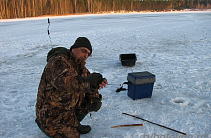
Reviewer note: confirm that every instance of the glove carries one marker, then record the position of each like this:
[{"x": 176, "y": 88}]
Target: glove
[
  {"x": 95, "y": 104},
  {"x": 91, "y": 104},
  {"x": 94, "y": 80},
  {"x": 100, "y": 97}
]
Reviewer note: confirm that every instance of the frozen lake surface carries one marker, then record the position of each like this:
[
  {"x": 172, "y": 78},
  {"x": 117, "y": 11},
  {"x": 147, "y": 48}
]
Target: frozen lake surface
[{"x": 176, "y": 47}]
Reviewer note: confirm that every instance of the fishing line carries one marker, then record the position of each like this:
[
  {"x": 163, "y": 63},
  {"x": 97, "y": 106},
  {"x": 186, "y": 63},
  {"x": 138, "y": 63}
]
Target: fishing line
[
  {"x": 49, "y": 31},
  {"x": 113, "y": 84}
]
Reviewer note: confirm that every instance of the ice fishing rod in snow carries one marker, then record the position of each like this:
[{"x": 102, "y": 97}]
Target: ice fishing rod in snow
[
  {"x": 155, "y": 124},
  {"x": 127, "y": 125},
  {"x": 49, "y": 31}
]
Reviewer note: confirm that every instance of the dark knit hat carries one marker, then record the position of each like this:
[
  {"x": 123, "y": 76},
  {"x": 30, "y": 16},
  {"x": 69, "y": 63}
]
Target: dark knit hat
[{"x": 82, "y": 42}]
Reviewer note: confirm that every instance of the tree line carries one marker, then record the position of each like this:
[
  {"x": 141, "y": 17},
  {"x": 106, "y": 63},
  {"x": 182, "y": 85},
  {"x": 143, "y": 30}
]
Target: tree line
[{"x": 34, "y": 8}]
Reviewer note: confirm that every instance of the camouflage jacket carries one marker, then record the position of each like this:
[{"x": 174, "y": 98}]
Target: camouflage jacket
[{"x": 62, "y": 90}]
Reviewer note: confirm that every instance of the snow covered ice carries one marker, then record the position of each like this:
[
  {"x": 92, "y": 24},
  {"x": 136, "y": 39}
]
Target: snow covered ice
[{"x": 176, "y": 47}]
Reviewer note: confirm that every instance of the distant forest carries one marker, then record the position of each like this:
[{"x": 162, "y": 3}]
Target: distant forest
[{"x": 34, "y": 8}]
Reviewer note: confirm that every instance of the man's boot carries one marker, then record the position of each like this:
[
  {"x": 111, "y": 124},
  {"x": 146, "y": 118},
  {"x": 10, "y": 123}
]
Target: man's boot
[{"x": 82, "y": 129}]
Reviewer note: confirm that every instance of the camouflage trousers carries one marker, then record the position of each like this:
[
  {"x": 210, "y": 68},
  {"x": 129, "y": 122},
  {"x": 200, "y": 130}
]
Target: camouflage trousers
[{"x": 62, "y": 124}]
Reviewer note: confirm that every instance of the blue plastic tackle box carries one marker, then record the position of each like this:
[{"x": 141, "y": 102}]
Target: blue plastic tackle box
[{"x": 140, "y": 84}]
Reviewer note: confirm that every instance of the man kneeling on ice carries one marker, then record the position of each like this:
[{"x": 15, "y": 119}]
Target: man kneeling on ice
[{"x": 67, "y": 91}]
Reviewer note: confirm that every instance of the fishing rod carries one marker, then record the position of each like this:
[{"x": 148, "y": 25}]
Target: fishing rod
[
  {"x": 127, "y": 125},
  {"x": 113, "y": 84},
  {"x": 49, "y": 31},
  {"x": 155, "y": 123}
]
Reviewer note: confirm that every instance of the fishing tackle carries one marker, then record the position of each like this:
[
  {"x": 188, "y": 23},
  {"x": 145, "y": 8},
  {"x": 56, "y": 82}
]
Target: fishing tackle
[
  {"x": 155, "y": 123},
  {"x": 127, "y": 125},
  {"x": 121, "y": 88},
  {"x": 49, "y": 31}
]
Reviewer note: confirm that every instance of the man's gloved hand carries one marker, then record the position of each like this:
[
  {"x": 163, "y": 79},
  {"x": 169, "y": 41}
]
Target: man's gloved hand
[
  {"x": 95, "y": 103},
  {"x": 94, "y": 79}
]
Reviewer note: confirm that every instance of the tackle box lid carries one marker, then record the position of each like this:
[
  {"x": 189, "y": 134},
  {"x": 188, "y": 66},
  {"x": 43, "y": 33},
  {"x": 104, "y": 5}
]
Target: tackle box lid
[{"x": 141, "y": 77}]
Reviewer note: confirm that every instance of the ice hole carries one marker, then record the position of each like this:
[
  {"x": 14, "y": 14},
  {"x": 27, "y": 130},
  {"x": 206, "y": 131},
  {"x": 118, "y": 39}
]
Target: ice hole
[{"x": 178, "y": 101}]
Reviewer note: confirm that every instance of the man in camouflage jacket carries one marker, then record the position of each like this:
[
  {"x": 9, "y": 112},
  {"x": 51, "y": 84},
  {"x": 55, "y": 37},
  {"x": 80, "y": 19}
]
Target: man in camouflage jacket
[{"x": 67, "y": 91}]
